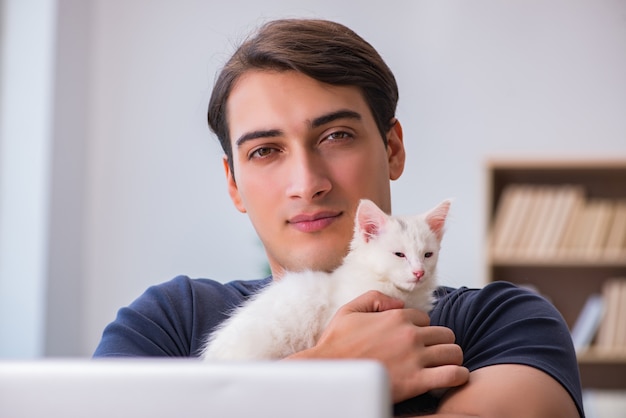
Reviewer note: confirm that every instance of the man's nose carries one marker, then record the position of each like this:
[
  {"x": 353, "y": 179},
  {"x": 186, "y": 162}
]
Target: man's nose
[{"x": 308, "y": 176}]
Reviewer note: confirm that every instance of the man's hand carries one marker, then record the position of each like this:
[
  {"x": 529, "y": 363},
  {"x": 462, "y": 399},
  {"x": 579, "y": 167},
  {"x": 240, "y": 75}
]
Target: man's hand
[{"x": 418, "y": 357}]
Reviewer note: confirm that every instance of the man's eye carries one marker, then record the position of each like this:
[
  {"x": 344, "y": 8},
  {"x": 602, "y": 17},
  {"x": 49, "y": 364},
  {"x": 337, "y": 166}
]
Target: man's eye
[
  {"x": 261, "y": 152},
  {"x": 339, "y": 135}
]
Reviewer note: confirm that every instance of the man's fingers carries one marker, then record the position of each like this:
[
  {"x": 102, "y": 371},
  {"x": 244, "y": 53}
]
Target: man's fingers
[
  {"x": 433, "y": 379},
  {"x": 373, "y": 301},
  {"x": 438, "y": 335},
  {"x": 417, "y": 356},
  {"x": 442, "y": 354},
  {"x": 446, "y": 376},
  {"x": 429, "y": 379}
]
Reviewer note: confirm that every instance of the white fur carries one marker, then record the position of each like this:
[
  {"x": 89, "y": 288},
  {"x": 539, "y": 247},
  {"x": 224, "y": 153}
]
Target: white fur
[{"x": 290, "y": 314}]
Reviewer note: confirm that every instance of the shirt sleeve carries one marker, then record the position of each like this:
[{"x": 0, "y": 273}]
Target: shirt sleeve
[
  {"x": 172, "y": 319},
  {"x": 505, "y": 324}
]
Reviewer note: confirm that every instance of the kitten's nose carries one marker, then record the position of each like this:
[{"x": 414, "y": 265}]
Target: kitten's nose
[{"x": 418, "y": 274}]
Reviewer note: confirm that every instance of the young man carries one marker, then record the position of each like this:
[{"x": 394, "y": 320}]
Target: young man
[{"x": 305, "y": 113}]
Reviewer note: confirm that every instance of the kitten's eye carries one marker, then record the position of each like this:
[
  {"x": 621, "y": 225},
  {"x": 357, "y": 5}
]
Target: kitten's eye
[
  {"x": 399, "y": 254},
  {"x": 428, "y": 254}
]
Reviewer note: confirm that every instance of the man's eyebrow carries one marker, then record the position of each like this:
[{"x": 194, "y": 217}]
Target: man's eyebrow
[
  {"x": 333, "y": 116},
  {"x": 315, "y": 123},
  {"x": 272, "y": 133}
]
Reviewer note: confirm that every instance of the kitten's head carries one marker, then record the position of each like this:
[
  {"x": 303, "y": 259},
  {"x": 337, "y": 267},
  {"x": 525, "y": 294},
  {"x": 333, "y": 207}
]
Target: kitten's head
[{"x": 403, "y": 250}]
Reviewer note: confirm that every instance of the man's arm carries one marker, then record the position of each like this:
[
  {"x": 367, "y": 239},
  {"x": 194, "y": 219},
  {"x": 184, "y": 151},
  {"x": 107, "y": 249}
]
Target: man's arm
[{"x": 509, "y": 390}]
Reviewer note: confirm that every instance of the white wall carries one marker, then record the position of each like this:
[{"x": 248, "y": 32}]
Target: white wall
[
  {"x": 480, "y": 78},
  {"x": 26, "y": 95}
]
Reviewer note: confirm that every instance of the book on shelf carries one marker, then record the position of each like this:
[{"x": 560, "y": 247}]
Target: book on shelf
[
  {"x": 570, "y": 199},
  {"x": 539, "y": 221},
  {"x": 554, "y": 222},
  {"x": 527, "y": 221},
  {"x": 543, "y": 222},
  {"x": 503, "y": 218},
  {"x": 509, "y": 218},
  {"x": 616, "y": 239},
  {"x": 612, "y": 329},
  {"x": 586, "y": 229},
  {"x": 572, "y": 227},
  {"x": 620, "y": 333},
  {"x": 588, "y": 322}
]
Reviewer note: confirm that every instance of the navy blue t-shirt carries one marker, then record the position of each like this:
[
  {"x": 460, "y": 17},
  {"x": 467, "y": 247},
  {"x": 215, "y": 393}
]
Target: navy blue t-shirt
[{"x": 498, "y": 324}]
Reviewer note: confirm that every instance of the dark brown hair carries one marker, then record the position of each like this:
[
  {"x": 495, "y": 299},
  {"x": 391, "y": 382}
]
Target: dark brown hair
[{"x": 326, "y": 51}]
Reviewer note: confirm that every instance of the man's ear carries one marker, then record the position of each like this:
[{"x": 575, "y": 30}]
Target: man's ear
[
  {"x": 395, "y": 150},
  {"x": 233, "y": 190}
]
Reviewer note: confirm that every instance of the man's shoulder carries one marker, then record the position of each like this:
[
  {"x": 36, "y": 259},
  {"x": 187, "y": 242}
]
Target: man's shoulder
[
  {"x": 504, "y": 315},
  {"x": 195, "y": 297},
  {"x": 492, "y": 293},
  {"x": 494, "y": 307},
  {"x": 173, "y": 318},
  {"x": 185, "y": 287}
]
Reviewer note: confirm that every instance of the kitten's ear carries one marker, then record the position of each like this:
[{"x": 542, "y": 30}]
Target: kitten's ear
[
  {"x": 370, "y": 220},
  {"x": 436, "y": 218}
]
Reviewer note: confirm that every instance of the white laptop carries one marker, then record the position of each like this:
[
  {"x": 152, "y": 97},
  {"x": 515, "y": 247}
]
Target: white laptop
[{"x": 191, "y": 388}]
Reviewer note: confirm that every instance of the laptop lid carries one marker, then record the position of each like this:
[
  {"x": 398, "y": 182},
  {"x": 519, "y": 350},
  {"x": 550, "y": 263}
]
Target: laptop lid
[{"x": 191, "y": 388}]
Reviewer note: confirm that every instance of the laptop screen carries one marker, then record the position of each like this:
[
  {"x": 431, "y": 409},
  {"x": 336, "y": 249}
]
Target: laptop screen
[{"x": 190, "y": 388}]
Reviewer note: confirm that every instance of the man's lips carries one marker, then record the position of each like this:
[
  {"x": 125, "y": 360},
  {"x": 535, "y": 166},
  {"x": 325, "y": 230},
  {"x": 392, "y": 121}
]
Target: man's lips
[{"x": 313, "y": 222}]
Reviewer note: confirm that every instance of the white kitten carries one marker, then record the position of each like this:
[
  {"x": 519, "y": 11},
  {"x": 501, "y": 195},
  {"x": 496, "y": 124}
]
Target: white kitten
[{"x": 394, "y": 255}]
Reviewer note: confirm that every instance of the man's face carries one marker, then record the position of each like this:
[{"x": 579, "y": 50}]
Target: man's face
[{"x": 304, "y": 154}]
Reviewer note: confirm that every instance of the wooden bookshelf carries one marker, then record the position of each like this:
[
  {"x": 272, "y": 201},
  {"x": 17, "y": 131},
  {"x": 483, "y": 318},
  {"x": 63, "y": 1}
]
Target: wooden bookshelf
[{"x": 559, "y": 226}]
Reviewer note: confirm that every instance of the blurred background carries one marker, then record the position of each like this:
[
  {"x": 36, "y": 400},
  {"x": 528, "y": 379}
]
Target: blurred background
[{"x": 110, "y": 180}]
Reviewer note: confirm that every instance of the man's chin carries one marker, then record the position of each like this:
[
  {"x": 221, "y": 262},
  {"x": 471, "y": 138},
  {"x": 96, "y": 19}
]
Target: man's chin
[{"x": 314, "y": 260}]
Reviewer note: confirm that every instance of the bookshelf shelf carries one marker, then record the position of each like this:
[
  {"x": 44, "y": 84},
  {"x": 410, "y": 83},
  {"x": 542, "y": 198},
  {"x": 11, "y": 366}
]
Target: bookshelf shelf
[
  {"x": 593, "y": 356},
  {"x": 581, "y": 262},
  {"x": 559, "y": 227}
]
